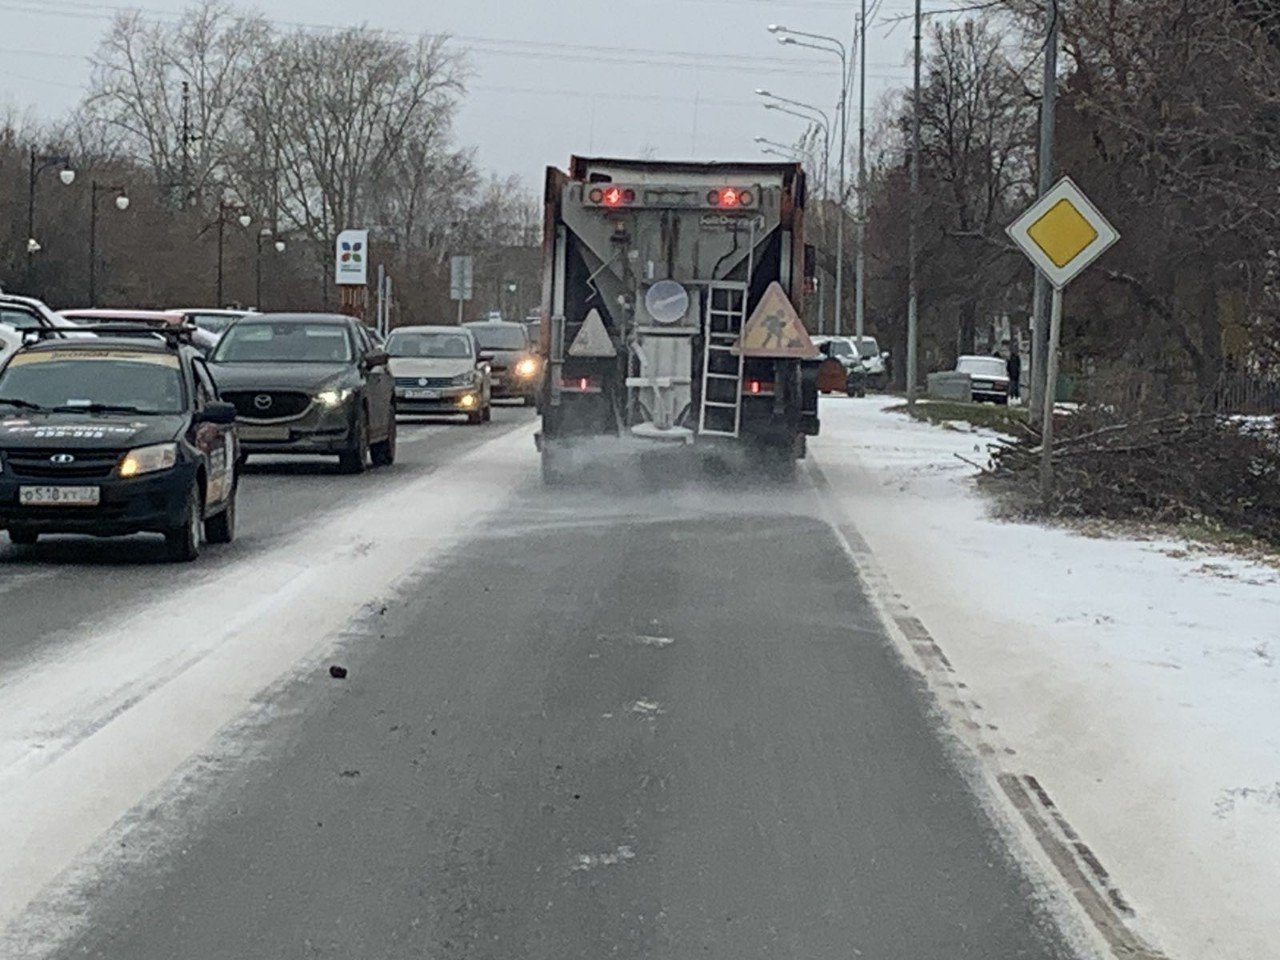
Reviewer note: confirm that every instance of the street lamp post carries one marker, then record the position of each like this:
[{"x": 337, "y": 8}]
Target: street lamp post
[
  {"x": 122, "y": 204},
  {"x": 39, "y": 164},
  {"x": 243, "y": 219},
  {"x": 263, "y": 235},
  {"x": 859, "y": 312},
  {"x": 838, "y": 48}
]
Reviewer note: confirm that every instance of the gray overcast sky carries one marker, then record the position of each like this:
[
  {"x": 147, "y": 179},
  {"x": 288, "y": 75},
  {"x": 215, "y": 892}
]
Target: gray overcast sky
[{"x": 552, "y": 77}]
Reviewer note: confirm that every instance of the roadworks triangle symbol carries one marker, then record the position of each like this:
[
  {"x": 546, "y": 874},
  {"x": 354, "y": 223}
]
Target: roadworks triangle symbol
[
  {"x": 593, "y": 339},
  {"x": 775, "y": 329}
]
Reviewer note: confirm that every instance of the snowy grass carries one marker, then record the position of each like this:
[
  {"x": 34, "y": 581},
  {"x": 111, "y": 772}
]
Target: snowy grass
[{"x": 1137, "y": 678}]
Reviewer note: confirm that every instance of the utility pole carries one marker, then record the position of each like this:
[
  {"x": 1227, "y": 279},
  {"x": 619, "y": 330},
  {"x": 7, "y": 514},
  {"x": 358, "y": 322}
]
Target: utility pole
[
  {"x": 188, "y": 138},
  {"x": 860, "y": 279},
  {"x": 844, "y": 139},
  {"x": 1041, "y": 389},
  {"x": 913, "y": 305}
]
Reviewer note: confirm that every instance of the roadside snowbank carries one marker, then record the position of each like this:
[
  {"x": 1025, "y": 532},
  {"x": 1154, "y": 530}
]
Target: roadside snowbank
[{"x": 1139, "y": 681}]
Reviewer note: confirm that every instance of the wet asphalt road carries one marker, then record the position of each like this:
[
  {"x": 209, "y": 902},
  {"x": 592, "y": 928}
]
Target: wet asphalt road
[
  {"x": 50, "y": 592},
  {"x": 664, "y": 725}
]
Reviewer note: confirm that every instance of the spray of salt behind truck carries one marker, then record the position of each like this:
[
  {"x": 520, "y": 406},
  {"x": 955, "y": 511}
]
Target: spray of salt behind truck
[{"x": 671, "y": 310}]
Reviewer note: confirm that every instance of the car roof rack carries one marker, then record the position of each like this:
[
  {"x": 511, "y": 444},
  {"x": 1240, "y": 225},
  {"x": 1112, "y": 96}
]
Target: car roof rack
[{"x": 173, "y": 335}]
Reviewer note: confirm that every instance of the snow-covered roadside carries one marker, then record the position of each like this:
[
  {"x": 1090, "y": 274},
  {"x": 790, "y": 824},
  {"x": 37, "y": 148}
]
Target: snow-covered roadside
[
  {"x": 89, "y": 732},
  {"x": 1139, "y": 682}
]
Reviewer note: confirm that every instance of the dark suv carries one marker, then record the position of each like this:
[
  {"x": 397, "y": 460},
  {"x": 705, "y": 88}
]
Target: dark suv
[
  {"x": 119, "y": 434},
  {"x": 309, "y": 383}
]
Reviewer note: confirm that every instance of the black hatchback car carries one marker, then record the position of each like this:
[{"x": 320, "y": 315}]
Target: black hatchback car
[
  {"x": 311, "y": 384},
  {"x": 113, "y": 435}
]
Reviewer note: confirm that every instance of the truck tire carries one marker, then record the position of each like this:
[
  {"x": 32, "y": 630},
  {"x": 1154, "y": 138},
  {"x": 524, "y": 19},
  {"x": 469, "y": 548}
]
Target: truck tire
[
  {"x": 23, "y": 538},
  {"x": 555, "y": 471}
]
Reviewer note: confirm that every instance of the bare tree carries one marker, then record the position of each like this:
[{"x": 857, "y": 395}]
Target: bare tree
[{"x": 172, "y": 93}]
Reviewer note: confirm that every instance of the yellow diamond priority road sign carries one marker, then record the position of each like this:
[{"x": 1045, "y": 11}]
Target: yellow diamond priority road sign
[{"x": 1063, "y": 233}]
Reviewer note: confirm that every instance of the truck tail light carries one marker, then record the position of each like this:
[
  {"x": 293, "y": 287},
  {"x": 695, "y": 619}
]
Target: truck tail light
[
  {"x": 729, "y": 198},
  {"x": 759, "y": 388},
  {"x": 578, "y": 385},
  {"x": 611, "y": 196}
]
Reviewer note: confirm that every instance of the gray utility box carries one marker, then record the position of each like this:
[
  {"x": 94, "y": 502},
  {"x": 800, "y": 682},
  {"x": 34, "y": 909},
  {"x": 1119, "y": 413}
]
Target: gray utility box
[{"x": 950, "y": 385}]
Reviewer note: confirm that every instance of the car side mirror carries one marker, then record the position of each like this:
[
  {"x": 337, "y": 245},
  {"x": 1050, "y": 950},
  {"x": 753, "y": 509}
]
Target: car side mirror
[
  {"x": 885, "y": 355},
  {"x": 219, "y": 412}
]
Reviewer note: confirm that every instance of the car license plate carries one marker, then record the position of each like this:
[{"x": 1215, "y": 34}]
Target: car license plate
[
  {"x": 263, "y": 433},
  {"x": 422, "y": 394},
  {"x": 59, "y": 496}
]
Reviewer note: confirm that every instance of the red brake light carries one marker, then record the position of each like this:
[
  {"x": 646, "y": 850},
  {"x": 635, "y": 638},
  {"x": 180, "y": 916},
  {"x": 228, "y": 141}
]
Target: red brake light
[
  {"x": 583, "y": 383},
  {"x": 730, "y": 198},
  {"x": 753, "y": 386},
  {"x": 613, "y": 197}
]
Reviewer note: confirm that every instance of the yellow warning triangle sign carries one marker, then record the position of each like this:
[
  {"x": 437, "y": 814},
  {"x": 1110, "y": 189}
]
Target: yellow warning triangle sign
[
  {"x": 775, "y": 329},
  {"x": 593, "y": 339}
]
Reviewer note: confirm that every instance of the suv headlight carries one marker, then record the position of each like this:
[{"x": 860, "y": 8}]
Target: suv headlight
[
  {"x": 464, "y": 379},
  {"x": 160, "y": 456},
  {"x": 527, "y": 367},
  {"x": 333, "y": 398}
]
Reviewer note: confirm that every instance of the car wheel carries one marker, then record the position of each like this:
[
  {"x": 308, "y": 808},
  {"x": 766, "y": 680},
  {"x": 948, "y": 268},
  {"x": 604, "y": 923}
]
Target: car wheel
[
  {"x": 475, "y": 416},
  {"x": 356, "y": 458},
  {"x": 384, "y": 453},
  {"x": 23, "y": 538},
  {"x": 222, "y": 528},
  {"x": 182, "y": 542}
]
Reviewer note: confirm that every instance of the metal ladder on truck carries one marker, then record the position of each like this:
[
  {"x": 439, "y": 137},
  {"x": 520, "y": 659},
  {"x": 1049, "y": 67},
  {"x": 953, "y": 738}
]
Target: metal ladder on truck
[{"x": 722, "y": 363}]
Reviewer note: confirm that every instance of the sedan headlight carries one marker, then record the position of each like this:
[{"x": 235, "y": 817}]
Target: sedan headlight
[
  {"x": 527, "y": 367},
  {"x": 333, "y": 398},
  {"x": 160, "y": 456},
  {"x": 464, "y": 379}
]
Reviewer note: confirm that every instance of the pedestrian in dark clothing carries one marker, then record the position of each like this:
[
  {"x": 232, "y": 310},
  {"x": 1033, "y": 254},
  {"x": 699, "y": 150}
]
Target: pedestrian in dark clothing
[{"x": 1013, "y": 366}]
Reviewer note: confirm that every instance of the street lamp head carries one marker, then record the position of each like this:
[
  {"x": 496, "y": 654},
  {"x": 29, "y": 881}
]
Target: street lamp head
[
  {"x": 777, "y": 28},
  {"x": 67, "y": 176},
  {"x": 279, "y": 246},
  {"x": 122, "y": 202},
  {"x": 787, "y": 40},
  {"x": 761, "y": 140},
  {"x": 761, "y": 92},
  {"x": 264, "y": 232},
  {"x": 244, "y": 219}
]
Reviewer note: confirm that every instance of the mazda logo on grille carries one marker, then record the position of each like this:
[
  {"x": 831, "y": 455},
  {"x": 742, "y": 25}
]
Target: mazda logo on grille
[
  {"x": 262, "y": 401},
  {"x": 62, "y": 459}
]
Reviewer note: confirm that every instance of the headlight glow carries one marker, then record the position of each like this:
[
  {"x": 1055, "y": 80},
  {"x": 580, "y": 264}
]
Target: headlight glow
[
  {"x": 333, "y": 398},
  {"x": 527, "y": 367},
  {"x": 160, "y": 456},
  {"x": 469, "y": 400},
  {"x": 464, "y": 379}
]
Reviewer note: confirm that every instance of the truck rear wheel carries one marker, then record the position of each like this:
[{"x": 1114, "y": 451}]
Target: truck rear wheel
[{"x": 555, "y": 466}]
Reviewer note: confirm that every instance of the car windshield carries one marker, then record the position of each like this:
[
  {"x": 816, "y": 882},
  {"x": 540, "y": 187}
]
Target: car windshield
[
  {"x": 20, "y": 318},
  {"x": 867, "y": 347},
  {"x": 437, "y": 345},
  {"x": 500, "y": 336},
  {"x": 982, "y": 366},
  {"x": 213, "y": 322},
  {"x": 88, "y": 380},
  {"x": 839, "y": 348},
  {"x": 284, "y": 342}
]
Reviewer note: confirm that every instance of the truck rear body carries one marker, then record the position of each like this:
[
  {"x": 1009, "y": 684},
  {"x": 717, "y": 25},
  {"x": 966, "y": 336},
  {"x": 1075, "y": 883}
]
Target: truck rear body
[{"x": 651, "y": 272}]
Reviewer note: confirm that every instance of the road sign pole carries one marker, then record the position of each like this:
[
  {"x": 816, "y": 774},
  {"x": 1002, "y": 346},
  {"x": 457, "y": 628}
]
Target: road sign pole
[
  {"x": 459, "y": 313},
  {"x": 1050, "y": 394}
]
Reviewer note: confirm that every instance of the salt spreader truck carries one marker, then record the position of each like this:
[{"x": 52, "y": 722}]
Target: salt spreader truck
[{"x": 672, "y": 296}]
